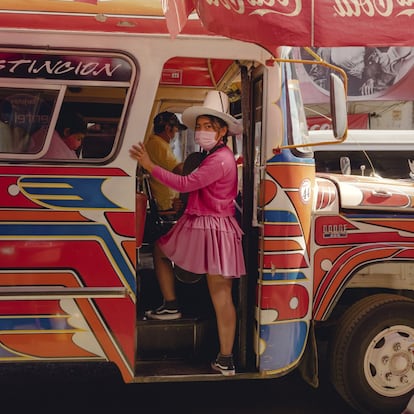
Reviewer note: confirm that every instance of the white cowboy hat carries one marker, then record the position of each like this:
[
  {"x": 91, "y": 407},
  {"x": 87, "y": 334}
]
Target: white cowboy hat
[{"x": 217, "y": 104}]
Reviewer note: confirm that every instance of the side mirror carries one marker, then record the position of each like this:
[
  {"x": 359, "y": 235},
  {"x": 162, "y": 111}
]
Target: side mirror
[
  {"x": 338, "y": 101},
  {"x": 338, "y": 107}
]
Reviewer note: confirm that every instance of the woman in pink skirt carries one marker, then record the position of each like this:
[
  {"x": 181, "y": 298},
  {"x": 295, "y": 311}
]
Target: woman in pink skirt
[{"x": 207, "y": 238}]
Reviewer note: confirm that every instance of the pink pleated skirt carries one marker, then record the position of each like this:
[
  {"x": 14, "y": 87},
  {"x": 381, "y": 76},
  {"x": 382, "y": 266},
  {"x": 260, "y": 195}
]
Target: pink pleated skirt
[{"x": 206, "y": 244}]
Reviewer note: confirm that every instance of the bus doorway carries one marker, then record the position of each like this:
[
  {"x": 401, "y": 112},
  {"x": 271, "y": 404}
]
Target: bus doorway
[{"x": 186, "y": 347}]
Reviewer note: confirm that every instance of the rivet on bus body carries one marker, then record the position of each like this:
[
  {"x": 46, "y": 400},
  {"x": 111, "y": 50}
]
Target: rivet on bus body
[{"x": 13, "y": 190}]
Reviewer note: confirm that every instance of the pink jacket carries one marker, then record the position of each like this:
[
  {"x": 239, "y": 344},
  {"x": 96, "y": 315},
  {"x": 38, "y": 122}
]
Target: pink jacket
[{"x": 212, "y": 187}]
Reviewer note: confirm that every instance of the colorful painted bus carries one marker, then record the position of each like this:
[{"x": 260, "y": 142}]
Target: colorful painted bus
[{"x": 74, "y": 278}]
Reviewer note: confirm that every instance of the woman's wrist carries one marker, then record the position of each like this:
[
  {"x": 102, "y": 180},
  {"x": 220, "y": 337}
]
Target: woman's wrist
[{"x": 150, "y": 167}]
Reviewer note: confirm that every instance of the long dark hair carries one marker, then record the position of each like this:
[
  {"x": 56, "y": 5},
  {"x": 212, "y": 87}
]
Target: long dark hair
[{"x": 71, "y": 120}]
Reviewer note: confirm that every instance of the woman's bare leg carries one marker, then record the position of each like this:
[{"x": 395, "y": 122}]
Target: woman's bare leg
[
  {"x": 164, "y": 272},
  {"x": 221, "y": 296}
]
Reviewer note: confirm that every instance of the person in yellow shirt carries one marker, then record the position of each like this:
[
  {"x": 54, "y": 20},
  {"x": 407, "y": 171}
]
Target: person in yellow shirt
[{"x": 166, "y": 125}]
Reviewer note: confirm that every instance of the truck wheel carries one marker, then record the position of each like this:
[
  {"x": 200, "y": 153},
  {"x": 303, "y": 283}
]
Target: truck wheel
[{"x": 372, "y": 354}]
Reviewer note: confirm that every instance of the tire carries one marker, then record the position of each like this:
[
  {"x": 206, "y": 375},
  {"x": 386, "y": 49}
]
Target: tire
[{"x": 372, "y": 354}]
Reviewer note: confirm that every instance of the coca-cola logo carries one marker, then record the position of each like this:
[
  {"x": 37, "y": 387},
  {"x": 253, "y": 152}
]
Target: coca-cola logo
[
  {"x": 371, "y": 8},
  {"x": 343, "y": 8},
  {"x": 261, "y": 7}
]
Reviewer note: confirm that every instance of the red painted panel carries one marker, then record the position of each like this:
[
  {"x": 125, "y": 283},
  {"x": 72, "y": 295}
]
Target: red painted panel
[{"x": 290, "y": 301}]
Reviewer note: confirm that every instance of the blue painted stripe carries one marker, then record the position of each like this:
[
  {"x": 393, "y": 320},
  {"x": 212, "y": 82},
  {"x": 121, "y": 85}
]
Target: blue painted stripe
[
  {"x": 33, "y": 324},
  {"x": 283, "y": 276},
  {"x": 280, "y": 216},
  {"x": 287, "y": 156},
  {"x": 67, "y": 192}
]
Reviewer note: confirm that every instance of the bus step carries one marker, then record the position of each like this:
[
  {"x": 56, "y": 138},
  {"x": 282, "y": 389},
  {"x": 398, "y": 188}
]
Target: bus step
[{"x": 186, "y": 338}]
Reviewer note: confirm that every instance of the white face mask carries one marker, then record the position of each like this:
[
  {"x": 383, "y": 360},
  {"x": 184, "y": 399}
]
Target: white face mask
[{"x": 206, "y": 139}]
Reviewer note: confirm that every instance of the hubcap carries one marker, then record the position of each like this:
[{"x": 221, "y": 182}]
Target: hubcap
[{"x": 389, "y": 361}]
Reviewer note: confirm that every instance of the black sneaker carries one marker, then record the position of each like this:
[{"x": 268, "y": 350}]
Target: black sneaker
[
  {"x": 163, "y": 314},
  {"x": 224, "y": 365}
]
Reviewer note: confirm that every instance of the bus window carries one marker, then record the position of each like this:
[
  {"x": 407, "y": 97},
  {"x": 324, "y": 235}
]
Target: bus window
[
  {"x": 23, "y": 112},
  {"x": 100, "y": 137},
  {"x": 96, "y": 87},
  {"x": 102, "y": 120},
  {"x": 102, "y": 109}
]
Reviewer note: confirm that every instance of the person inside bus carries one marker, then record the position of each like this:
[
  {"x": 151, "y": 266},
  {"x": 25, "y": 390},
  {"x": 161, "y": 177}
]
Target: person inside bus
[
  {"x": 67, "y": 138},
  {"x": 13, "y": 138},
  {"x": 166, "y": 125},
  {"x": 6, "y": 133},
  {"x": 207, "y": 238}
]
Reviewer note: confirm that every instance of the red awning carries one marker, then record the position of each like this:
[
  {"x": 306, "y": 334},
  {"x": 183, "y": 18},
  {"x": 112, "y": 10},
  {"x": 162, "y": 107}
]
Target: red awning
[{"x": 329, "y": 23}]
